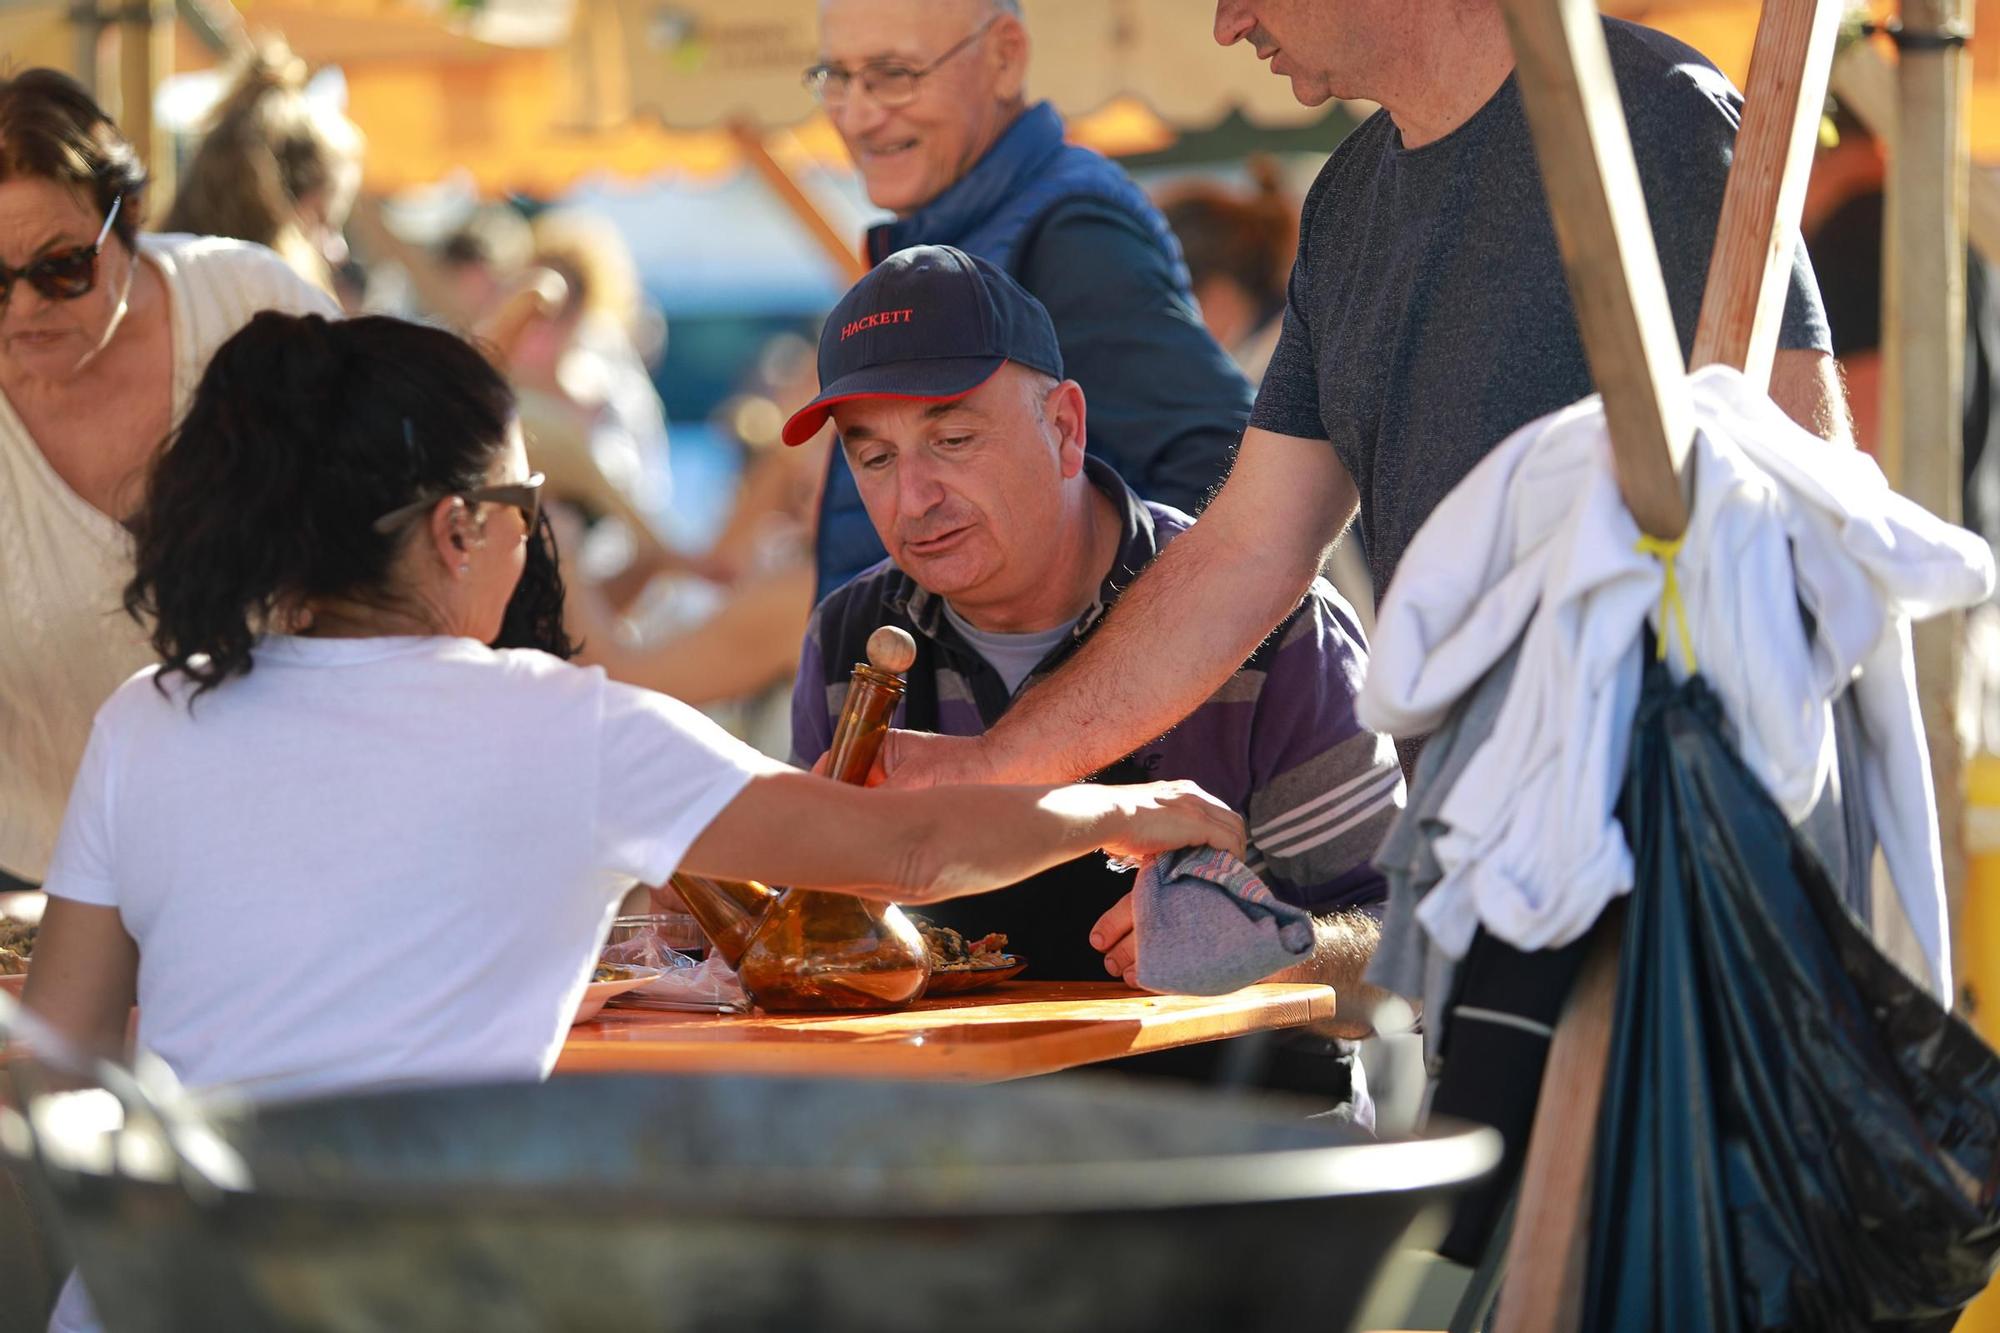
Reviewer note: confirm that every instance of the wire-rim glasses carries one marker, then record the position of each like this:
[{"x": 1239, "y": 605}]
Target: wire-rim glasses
[{"x": 890, "y": 84}]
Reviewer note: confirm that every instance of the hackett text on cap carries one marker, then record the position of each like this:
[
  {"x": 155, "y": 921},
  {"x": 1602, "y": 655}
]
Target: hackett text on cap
[{"x": 875, "y": 321}]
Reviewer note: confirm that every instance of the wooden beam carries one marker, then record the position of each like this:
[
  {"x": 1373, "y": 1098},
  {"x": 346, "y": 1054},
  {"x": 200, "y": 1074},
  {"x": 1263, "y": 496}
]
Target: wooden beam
[
  {"x": 1758, "y": 232},
  {"x": 145, "y": 59},
  {"x": 844, "y": 251},
  {"x": 1549, "y": 1255},
  {"x": 1923, "y": 345},
  {"x": 1585, "y": 151},
  {"x": 1865, "y": 82},
  {"x": 88, "y": 24}
]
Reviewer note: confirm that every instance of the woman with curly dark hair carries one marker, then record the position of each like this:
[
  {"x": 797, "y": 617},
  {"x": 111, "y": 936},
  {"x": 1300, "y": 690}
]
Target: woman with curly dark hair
[{"x": 363, "y": 824}]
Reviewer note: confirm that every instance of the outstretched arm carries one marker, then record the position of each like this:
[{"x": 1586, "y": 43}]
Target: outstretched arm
[
  {"x": 925, "y": 846},
  {"x": 1176, "y": 635}
]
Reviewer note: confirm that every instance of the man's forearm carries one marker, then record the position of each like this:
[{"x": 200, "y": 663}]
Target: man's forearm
[
  {"x": 1188, "y": 622},
  {"x": 1806, "y": 384},
  {"x": 1177, "y": 634},
  {"x": 1343, "y": 944}
]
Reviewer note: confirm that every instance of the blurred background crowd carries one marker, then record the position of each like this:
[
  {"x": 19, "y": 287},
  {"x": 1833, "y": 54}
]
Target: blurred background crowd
[{"x": 652, "y": 258}]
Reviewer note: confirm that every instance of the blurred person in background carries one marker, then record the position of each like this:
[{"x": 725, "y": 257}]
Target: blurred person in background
[
  {"x": 461, "y": 282},
  {"x": 730, "y": 647},
  {"x": 930, "y": 97},
  {"x": 594, "y": 419},
  {"x": 103, "y": 335},
  {"x": 1240, "y": 246},
  {"x": 274, "y": 167},
  {"x": 481, "y": 262}
]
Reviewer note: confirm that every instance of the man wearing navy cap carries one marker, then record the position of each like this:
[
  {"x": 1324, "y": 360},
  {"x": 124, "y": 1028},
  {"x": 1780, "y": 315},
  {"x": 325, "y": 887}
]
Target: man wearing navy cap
[
  {"x": 931, "y": 99},
  {"x": 1007, "y": 544}
]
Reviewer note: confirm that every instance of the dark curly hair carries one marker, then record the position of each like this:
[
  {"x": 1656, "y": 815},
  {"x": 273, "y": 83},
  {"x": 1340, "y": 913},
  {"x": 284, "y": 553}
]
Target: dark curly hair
[{"x": 302, "y": 432}]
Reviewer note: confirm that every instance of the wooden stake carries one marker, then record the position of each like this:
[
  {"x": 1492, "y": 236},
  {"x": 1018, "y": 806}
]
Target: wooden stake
[
  {"x": 1745, "y": 297},
  {"x": 844, "y": 251},
  {"x": 1923, "y": 328},
  {"x": 145, "y": 59},
  {"x": 1585, "y": 151},
  {"x": 1865, "y": 83},
  {"x": 1549, "y": 1254},
  {"x": 1573, "y": 111}
]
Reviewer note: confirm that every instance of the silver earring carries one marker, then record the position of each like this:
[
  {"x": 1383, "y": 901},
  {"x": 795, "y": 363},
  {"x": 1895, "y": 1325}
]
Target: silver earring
[{"x": 465, "y": 566}]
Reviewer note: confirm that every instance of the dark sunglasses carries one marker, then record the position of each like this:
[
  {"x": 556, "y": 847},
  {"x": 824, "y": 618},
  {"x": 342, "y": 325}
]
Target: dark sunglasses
[
  {"x": 66, "y": 274},
  {"x": 526, "y": 496}
]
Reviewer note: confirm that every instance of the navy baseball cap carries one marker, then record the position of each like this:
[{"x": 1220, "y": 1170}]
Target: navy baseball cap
[{"x": 930, "y": 323}]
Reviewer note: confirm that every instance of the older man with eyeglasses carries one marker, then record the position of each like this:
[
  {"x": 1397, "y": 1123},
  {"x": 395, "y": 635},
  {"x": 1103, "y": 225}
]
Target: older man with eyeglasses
[{"x": 930, "y": 97}]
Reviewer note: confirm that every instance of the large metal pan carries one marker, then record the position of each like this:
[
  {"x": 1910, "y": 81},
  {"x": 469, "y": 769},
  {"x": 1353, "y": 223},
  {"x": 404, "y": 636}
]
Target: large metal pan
[{"x": 749, "y": 1204}]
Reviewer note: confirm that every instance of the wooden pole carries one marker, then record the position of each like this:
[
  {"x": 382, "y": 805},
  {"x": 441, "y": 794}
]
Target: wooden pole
[
  {"x": 1587, "y": 167},
  {"x": 1745, "y": 297},
  {"x": 1548, "y": 1255},
  {"x": 1865, "y": 82},
  {"x": 89, "y": 27},
  {"x": 1923, "y": 327},
  {"x": 145, "y": 57},
  {"x": 1585, "y": 152},
  {"x": 844, "y": 251}
]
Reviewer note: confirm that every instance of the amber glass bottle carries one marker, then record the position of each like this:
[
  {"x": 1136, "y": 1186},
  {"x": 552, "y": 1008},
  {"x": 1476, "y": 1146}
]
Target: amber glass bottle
[{"x": 801, "y": 949}]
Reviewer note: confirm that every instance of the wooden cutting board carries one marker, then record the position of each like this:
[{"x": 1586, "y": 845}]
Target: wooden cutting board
[{"x": 1017, "y": 1029}]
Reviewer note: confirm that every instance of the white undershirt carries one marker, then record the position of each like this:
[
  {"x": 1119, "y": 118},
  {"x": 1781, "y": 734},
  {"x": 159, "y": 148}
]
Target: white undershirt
[{"x": 1013, "y": 656}]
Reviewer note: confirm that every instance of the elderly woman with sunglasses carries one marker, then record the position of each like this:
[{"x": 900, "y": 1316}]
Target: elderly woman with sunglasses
[{"x": 103, "y": 334}]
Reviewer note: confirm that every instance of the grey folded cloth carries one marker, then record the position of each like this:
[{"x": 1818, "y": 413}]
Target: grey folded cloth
[{"x": 1205, "y": 925}]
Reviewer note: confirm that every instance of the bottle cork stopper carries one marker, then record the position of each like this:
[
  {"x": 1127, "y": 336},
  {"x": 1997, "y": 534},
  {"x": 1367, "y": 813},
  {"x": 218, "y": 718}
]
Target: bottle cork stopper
[{"x": 892, "y": 650}]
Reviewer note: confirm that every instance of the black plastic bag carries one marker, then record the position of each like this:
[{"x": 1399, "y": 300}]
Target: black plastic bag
[{"x": 1795, "y": 1135}]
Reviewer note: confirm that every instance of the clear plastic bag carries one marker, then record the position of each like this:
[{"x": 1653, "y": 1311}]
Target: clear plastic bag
[{"x": 706, "y": 985}]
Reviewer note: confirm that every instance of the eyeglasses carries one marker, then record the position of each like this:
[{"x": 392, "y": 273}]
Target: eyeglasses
[
  {"x": 890, "y": 84},
  {"x": 66, "y": 274},
  {"x": 526, "y": 496}
]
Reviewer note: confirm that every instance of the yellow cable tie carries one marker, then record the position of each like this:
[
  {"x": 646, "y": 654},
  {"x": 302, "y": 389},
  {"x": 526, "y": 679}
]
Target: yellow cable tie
[{"x": 1672, "y": 609}]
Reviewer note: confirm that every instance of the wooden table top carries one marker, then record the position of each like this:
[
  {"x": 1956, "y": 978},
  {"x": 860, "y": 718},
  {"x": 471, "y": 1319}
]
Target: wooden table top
[{"x": 1016, "y": 1029}]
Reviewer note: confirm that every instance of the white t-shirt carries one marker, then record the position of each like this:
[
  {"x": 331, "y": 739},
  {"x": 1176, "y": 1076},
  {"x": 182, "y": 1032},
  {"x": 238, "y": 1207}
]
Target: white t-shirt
[
  {"x": 380, "y": 861},
  {"x": 65, "y": 643}
]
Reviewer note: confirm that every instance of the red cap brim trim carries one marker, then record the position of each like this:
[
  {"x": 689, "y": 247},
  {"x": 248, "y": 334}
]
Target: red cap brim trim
[{"x": 806, "y": 422}]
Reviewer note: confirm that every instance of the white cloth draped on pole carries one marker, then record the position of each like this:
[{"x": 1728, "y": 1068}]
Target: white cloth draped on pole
[{"x": 1536, "y": 546}]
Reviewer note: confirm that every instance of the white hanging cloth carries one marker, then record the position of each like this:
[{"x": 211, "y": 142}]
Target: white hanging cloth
[{"x": 1536, "y": 545}]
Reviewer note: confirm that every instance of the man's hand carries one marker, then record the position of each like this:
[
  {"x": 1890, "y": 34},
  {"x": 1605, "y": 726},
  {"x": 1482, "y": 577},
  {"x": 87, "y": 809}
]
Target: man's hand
[
  {"x": 921, "y": 759},
  {"x": 1115, "y": 938}
]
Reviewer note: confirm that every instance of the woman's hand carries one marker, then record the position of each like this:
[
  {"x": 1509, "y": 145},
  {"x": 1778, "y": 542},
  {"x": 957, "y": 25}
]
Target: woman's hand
[{"x": 1164, "y": 816}]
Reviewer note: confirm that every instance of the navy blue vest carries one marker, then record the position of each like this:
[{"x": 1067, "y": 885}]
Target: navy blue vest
[
  {"x": 992, "y": 211},
  {"x": 993, "y": 208}
]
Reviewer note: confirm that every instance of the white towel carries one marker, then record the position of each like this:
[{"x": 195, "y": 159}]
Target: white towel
[{"x": 1537, "y": 546}]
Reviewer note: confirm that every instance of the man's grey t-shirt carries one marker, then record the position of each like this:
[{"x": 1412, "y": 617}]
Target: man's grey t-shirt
[
  {"x": 1428, "y": 316},
  {"x": 1013, "y": 656}
]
